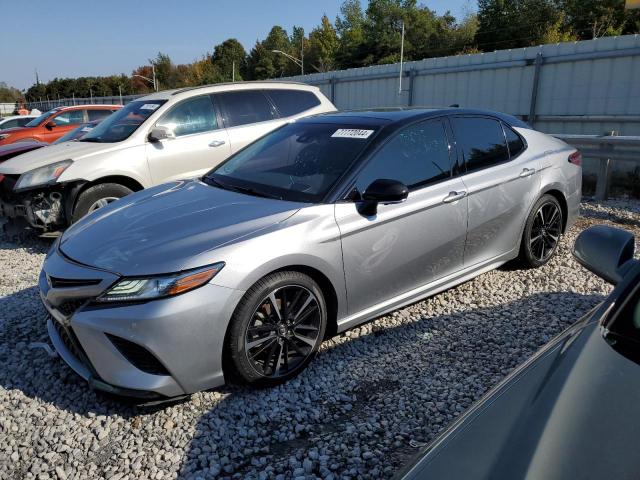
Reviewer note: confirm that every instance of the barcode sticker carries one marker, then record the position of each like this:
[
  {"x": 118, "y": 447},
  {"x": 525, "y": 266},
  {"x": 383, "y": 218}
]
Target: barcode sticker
[
  {"x": 352, "y": 133},
  {"x": 149, "y": 106}
]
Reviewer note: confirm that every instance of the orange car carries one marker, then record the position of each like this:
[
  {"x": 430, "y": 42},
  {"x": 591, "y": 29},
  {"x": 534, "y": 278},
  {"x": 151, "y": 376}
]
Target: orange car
[{"x": 53, "y": 124}]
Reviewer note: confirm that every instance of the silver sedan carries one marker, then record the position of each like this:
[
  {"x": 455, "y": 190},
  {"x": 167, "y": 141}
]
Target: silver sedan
[{"x": 321, "y": 225}]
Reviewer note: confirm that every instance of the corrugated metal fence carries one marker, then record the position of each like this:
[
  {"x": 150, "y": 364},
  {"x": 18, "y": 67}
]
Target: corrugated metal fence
[
  {"x": 588, "y": 87},
  {"x": 45, "y": 105}
]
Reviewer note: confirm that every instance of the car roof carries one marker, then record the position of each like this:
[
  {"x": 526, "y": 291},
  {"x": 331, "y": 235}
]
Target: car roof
[
  {"x": 227, "y": 86},
  {"x": 402, "y": 115}
]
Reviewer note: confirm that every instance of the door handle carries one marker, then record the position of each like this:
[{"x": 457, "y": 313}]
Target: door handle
[
  {"x": 454, "y": 196},
  {"x": 527, "y": 172},
  {"x": 217, "y": 143}
]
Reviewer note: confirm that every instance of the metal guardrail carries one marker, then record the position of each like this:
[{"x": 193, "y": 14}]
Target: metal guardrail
[{"x": 606, "y": 149}]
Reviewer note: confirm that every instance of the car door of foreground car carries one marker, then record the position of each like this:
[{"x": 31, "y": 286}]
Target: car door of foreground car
[
  {"x": 247, "y": 115},
  {"x": 410, "y": 244},
  {"x": 200, "y": 143},
  {"x": 501, "y": 187}
]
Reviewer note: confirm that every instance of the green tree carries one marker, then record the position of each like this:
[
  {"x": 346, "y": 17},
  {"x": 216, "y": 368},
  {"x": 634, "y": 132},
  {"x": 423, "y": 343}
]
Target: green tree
[
  {"x": 260, "y": 63},
  {"x": 225, "y": 55},
  {"x": 9, "y": 94},
  {"x": 350, "y": 29},
  {"x": 323, "y": 45},
  {"x": 598, "y": 18},
  {"x": 277, "y": 39}
]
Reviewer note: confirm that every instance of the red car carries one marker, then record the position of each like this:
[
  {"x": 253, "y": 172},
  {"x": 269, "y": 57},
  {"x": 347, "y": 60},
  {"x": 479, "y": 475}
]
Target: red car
[{"x": 53, "y": 124}]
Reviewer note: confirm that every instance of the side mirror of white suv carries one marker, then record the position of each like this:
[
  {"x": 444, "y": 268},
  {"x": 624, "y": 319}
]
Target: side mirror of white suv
[{"x": 161, "y": 133}]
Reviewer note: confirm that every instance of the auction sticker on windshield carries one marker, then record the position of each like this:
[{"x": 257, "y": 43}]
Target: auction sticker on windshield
[
  {"x": 352, "y": 133},
  {"x": 149, "y": 106}
]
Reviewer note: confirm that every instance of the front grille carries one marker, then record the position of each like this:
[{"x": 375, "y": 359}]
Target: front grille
[
  {"x": 70, "y": 282},
  {"x": 140, "y": 357},
  {"x": 6, "y": 187},
  {"x": 70, "y": 341},
  {"x": 70, "y": 307}
]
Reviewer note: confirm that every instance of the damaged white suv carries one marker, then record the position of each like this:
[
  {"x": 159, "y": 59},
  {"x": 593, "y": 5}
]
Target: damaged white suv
[{"x": 165, "y": 136}]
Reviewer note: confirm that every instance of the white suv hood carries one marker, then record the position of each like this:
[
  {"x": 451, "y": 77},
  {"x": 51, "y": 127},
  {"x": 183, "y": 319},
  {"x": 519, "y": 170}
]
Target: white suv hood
[{"x": 55, "y": 153}]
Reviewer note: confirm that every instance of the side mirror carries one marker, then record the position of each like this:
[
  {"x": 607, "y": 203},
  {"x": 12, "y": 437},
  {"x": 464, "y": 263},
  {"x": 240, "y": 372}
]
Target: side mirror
[
  {"x": 50, "y": 125},
  {"x": 605, "y": 251},
  {"x": 158, "y": 134},
  {"x": 383, "y": 191}
]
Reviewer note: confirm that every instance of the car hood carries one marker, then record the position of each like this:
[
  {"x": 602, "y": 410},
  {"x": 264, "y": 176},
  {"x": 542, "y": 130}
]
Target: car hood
[
  {"x": 573, "y": 413},
  {"x": 55, "y": 153},
  {"x": 158, "y": 230},
  {"x": 17, "y": 147}
]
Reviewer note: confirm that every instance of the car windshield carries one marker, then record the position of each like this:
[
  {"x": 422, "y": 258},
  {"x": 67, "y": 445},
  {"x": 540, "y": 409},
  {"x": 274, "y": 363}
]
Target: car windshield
[
  {"x": 120, "y": 125},
  {"x": 298, "y": 162},
  {"x": 77, "y": 133},
  {"x": 37, "y": 121}
]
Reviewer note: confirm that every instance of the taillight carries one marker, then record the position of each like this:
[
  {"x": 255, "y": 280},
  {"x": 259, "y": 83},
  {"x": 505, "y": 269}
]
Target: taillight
[
  {"x": 1, "y": 178},
  {"x": 576, "y": 158}
]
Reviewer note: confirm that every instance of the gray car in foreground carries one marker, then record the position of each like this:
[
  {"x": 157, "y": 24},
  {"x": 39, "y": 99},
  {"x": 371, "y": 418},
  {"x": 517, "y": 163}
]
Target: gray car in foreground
[
  {"x": 572, "y": 410},
  {"x": 318, "y": 226}
]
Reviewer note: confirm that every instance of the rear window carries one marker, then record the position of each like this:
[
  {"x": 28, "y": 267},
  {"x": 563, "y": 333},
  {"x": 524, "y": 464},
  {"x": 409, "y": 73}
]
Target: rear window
[
  {"x": 98, "y": 114},
  {"x": 481, "y": 140},
  {"x": 292, "y": 102},
  {"x": 244, "y": 107}
]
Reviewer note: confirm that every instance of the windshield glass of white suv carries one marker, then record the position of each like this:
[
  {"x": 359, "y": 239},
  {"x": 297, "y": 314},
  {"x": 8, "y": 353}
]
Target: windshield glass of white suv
[
  {"x": 121, "y": 124},
  {"x": 298, "y": 162}
]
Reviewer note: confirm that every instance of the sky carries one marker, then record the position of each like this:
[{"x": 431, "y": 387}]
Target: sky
[{"x": 72, "y": 38}]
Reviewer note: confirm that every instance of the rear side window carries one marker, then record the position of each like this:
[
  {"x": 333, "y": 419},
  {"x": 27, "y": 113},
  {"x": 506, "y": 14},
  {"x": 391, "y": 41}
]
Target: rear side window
[
  {"x": 195, "y": 115},
  {"x": 481, "y": 140},
  {"x": 515, "y": 143},
  {"x": 291, "y": 102},
  {"x": 10, "y": 124},
  {"x": 70, "y": 117},
  {"x": 98, "y": 114},
  {"x": 244, "y": 107},
  {"x": 416, "y": 156}
]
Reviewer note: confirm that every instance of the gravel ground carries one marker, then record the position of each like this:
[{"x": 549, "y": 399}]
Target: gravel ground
[{"x": 373, "y": 395}]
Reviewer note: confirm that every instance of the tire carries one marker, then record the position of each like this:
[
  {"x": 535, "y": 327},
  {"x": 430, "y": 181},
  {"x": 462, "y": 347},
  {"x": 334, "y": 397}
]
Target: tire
[
  {"x": 541, "y": 236},
  {"x": 258, "y": 333},
  {"x": 103, "y": 192}
]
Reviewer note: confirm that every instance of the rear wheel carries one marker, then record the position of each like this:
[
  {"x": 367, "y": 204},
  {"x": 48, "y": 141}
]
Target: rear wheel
[
  {"x": 542, "y": 232},
  {"x": 276, "y": 329},
  {"x": 98, "y": 196}
]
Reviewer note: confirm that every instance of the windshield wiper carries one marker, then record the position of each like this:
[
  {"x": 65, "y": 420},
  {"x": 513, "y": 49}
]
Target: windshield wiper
[
  {"x": 91, "y": 139},
  {"x": 237, "y": 188}
]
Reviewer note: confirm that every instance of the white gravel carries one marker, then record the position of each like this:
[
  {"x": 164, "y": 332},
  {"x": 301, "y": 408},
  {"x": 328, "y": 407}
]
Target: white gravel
[{"x": 372, "y": 395}]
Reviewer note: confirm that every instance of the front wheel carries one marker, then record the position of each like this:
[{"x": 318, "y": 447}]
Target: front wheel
[
  {"x": 276, "y": 329},
  {"x": 542, "y": 232},
  {"x": 98, "y": 196}
]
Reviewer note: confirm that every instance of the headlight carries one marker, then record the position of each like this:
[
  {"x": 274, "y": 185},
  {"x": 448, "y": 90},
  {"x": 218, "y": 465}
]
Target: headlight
[
  {"x": 4, "y": 135},
  {"x": 42, "y": 175},
  {"x": 134, "y": 289}
]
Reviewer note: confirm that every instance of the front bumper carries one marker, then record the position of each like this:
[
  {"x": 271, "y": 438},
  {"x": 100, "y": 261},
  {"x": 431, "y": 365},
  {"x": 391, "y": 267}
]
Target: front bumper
[{"x": 183, "y": 334}]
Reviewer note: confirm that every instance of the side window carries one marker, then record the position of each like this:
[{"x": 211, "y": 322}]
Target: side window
[
  {"x": 10, "y": 123},
  {"x": 98, "y": 114},
  {"x": 21, "y": 122},
  {"x": 70, "y": 117},
  {"x": 415, "y": 156},
  {"x": 291, "y": 102},
  {"x": 245, "y": 106},
  {"x": 515, "y": 143},
  {"x": 195, "y": 115},
  {"x": 481, "y": 140}
]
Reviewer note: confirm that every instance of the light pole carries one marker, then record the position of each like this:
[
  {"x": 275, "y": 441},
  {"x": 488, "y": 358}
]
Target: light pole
[
  {"x": 152, "y": 81},
  {"x": 295, "y": 60}
]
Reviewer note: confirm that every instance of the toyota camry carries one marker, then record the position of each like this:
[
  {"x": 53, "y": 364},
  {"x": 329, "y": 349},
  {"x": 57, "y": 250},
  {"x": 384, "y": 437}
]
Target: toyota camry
[{"x": 321, "y": 225}]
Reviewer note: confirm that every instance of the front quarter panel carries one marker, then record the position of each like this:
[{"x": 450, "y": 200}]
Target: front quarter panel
[{"x": 309, "y": 238}]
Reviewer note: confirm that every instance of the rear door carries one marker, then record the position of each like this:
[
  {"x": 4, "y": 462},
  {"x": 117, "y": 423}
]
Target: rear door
[
  {"x": 501, "y": 186},
  {"x": 406, "y": 245},
  {"x": 200, "y": 142},
  {"x": 247, "y": 115}
]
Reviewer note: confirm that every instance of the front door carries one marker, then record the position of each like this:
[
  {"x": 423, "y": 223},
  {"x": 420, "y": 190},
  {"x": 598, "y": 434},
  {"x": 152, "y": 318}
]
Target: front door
[
  {"x": 407, "y": 245},
  {"x": 199, "y": 143},
  {"x": 62, "y": 123}
]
